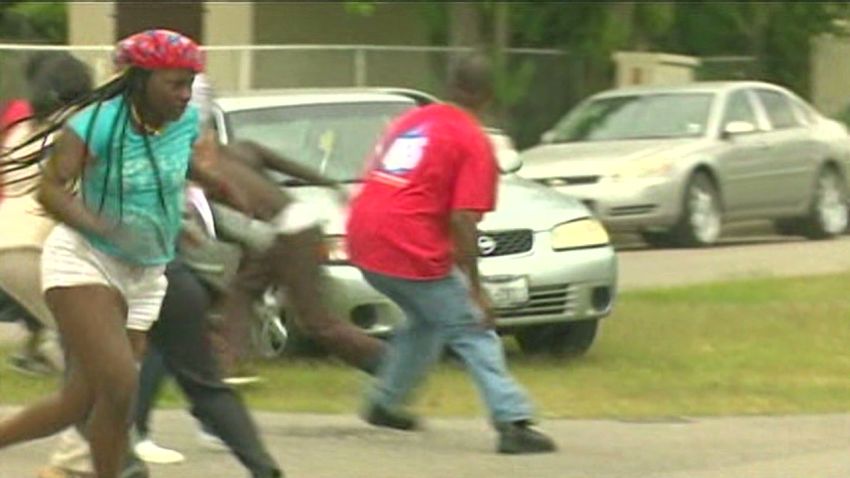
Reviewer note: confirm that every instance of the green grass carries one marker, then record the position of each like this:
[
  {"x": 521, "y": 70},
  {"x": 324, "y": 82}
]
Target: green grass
[{"x": 768, "y": 346}]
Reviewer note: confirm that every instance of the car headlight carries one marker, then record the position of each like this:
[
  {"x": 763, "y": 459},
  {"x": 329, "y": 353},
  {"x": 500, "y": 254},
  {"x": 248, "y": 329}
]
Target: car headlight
[
  {"x": 579, "y": 234},
  {"x": 334, "y": 250},
  {"x": 644, "y": 168}
]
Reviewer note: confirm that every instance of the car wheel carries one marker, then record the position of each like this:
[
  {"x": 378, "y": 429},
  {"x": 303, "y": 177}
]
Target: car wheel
[
  {"x": 701, "y": 221},
  {"x": 828, "y": 212},
  {"x": 300, "y": 345},
  {"x": 565, "y": 339},
  {"x": 270, "y": 338},
  {"x": 788, "y": 227},
  {"x": 269, "y": 335}
]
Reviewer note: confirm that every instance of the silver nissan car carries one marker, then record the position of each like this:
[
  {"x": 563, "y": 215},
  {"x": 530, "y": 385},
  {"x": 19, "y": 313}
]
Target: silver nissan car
[
  {"x": 546, "y": 262},
  {"x": 675, "y": 163}
]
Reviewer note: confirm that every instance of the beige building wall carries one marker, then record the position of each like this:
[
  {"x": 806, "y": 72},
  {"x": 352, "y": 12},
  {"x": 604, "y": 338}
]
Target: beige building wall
[
  {"x": 229, "y": 24},
  {"x": 93, "y": 24},
  {"x": 299, "y": 23},
  {"x": 286, "y": 23},
  {"x": 640, "y": 68},
  {"x": 830, "y": 70}
]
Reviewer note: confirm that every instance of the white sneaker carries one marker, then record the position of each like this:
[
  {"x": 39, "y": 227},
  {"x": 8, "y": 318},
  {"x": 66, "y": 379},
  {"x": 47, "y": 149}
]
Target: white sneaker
[
  {"x": 210, "y": 441},
  {"x": 150, "y": 452},
  {"x": 237, "y": 381}
]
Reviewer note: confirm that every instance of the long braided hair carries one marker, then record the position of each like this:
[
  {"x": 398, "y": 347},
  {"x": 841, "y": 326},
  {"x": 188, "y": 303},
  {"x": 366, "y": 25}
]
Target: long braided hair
[{"x": 130, "y": 84}]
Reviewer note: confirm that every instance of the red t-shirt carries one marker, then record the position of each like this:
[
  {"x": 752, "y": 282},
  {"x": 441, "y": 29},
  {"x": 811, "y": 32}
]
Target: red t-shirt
[
  {"x": 432, "y": 161},
  {"x": 11, "y": 112}
]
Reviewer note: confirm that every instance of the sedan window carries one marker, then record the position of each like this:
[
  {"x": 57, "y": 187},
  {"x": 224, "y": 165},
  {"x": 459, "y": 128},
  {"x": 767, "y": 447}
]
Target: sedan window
[
  {"x": 646, "y": 116},
  {"x": 778, "y": 109},
  {"x": 334, "y": 138},
  {"x": 739, "y": 108}
]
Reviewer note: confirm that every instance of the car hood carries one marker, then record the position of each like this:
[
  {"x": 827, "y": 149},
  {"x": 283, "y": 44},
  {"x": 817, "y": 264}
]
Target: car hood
[
  {"x": 600, "y": 158},
  {"x": 521, "y": 204}
]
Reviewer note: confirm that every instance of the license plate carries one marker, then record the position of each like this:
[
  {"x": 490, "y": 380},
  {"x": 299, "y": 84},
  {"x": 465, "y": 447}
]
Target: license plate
[{"x": 506, "y": 292}]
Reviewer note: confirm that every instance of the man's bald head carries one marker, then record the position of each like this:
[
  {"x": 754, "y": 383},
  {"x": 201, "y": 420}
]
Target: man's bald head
[{"x": 470, "y": 81}]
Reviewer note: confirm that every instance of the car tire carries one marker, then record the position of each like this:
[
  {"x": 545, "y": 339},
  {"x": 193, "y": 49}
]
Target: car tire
[
  {"x": 701, "y": 222},
  {"x": 828, "y": 211},
  {"x": 270, "y": 338},
  {"x": 300, "y": 345},
  {"x": 569, "y": 339},
  {"x": 657, "y": 239},
  {"x": 788, "y": 227}
]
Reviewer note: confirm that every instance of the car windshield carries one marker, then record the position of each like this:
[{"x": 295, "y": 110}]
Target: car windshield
[
  {"x": 333, "y": 138},
  {"x": 646, "y": 116}
]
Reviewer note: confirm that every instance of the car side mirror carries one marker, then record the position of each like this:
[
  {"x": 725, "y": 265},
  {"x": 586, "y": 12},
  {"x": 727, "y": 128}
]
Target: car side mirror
[
  {"x": 734, "y": 128},
  {"x": 547, "y": 137},
  {"x": 509, "y": 160}
]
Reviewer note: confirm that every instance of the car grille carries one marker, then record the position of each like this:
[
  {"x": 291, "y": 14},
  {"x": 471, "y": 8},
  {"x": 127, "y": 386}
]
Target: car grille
[
  {"x": 503, "y": 243},
  {"x": 547, "y": 300},
  {"x": 569, "y": 180},
  {"x": 632, "y": 210}
]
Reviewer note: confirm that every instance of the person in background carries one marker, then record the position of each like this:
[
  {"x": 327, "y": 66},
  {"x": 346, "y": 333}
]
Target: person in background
[
  {"x": 283, "y": 240},
  {"x": 412, "y": 232},
  {"x": 54, "y": 79}
]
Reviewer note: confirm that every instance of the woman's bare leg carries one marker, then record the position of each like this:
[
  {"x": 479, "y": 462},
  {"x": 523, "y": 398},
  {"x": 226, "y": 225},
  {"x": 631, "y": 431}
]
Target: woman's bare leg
[
  {"x": 91, "y": 320},
  {"x": 51, "y": 415}
]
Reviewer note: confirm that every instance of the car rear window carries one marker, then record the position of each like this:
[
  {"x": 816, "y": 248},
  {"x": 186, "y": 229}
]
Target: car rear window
[
  {"x": 644, "y": 116},
  {"x": 778, "y": 109}
]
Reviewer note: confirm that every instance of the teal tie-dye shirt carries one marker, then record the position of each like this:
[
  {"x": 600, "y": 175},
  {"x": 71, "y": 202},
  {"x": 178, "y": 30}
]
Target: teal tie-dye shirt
[{"x": 150, "y": 222}]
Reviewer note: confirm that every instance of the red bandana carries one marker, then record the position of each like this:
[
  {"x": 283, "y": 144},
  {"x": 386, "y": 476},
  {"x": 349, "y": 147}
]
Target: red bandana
[{"x": 159, "y": 50}]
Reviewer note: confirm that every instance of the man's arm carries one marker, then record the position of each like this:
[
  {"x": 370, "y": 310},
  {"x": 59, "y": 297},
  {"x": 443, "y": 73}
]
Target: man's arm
[
  {"x": 465, "y": 237},
  {"x": 206, "y": 169},
  {"x": 272, "y": 160}
]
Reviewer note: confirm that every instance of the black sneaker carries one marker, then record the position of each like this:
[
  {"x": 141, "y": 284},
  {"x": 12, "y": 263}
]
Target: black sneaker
[
  {"x": 519, "y": 438},
  {"x": 383, "y": 417}
]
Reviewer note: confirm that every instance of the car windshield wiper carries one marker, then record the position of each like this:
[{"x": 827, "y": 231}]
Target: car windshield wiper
[
  {"x": 293, "y": 182},
  {"x": 300, "y": 182}
]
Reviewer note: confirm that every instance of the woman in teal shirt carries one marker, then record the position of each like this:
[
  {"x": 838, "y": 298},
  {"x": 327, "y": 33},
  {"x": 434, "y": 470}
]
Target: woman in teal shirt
[{"x": 128, "y": 146}]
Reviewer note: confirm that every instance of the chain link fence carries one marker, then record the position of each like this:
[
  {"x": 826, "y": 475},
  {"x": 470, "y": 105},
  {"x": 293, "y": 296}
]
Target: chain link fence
[{"x": 534, "y": 86}]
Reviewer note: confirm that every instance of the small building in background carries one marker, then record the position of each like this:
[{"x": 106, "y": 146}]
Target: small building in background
[
  {"x": 653, "y": 69},
  {"x": 267, "y": 41}
]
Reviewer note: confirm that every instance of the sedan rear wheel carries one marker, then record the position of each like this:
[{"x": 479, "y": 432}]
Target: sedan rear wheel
[
  {"x": 701, "y": 221},
  {"x": 828, "y": 211}
]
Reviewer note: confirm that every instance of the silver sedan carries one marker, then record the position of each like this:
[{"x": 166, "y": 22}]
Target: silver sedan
[
  {"x": 547, "y": 263},
  {"x": 676, "y": 163}
]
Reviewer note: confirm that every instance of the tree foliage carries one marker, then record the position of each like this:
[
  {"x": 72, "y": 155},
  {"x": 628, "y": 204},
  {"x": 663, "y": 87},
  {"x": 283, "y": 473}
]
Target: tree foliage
[{"x": 40, "y": 22}]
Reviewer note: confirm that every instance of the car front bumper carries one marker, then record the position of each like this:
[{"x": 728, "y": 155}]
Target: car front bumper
[
  {"x": 563, "y": 286},
  {"x": 631, "y": 205}
]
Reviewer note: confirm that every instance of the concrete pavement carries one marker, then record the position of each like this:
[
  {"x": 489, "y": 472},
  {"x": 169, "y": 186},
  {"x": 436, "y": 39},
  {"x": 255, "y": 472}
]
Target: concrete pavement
[{"x": 322, "y": 446}]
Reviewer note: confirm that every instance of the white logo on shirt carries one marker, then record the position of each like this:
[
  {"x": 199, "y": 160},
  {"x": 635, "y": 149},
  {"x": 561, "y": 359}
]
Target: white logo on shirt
[{"x": 405, "y": 152}]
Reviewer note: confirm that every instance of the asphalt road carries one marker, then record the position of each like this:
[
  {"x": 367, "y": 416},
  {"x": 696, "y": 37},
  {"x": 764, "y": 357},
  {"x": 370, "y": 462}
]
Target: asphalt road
[
  {"x": 753, "y": 252},
  {"x": 318, "y": 446}
]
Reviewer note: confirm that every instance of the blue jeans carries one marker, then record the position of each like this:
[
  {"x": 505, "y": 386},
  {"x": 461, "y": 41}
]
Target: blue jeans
[{"x": 441, "y": 313}]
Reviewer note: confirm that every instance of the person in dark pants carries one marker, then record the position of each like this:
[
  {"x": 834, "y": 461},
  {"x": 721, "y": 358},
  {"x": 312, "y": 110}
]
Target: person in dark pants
[{"x": 181, "y": 337}]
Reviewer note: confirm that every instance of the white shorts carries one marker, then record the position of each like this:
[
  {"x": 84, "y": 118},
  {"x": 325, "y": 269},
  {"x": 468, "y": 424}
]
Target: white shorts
[
  {"x": 295, "y": 217},
  {"x": 69, "y": 260}
]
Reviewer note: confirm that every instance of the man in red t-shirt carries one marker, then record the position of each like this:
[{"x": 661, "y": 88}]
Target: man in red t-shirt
[{"x": 412, "y": 232}]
